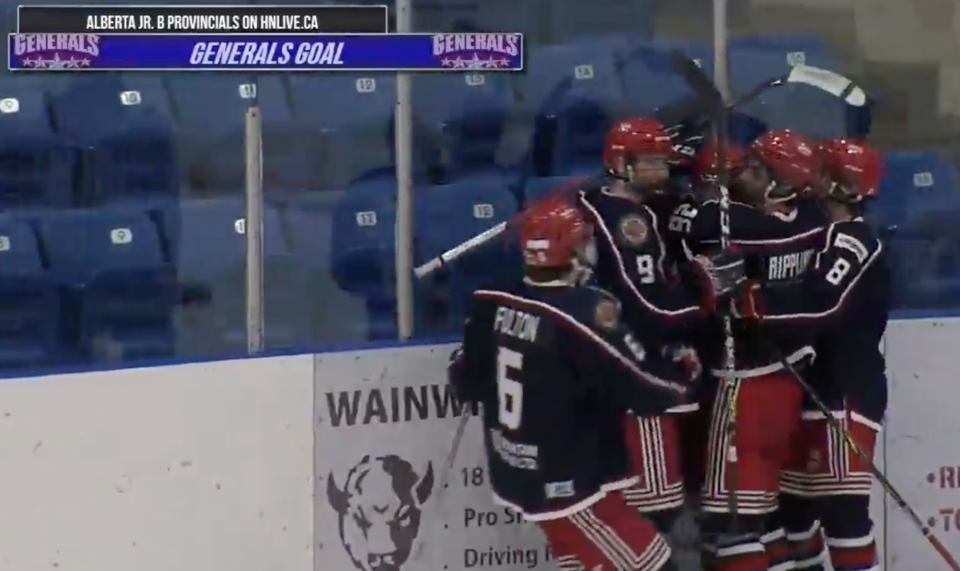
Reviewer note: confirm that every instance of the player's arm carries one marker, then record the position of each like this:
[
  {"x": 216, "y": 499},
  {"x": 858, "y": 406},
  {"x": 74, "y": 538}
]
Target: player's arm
[
  {"x": 637, "y": 252},
  {"x": 850, "y": 249},
  {"x": 469, "y": 371},
  {"x": 610, "y": 355}
]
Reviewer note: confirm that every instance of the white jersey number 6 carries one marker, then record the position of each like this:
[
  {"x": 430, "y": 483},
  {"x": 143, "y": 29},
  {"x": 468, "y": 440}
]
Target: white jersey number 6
[{"x": 509, "y": 390}]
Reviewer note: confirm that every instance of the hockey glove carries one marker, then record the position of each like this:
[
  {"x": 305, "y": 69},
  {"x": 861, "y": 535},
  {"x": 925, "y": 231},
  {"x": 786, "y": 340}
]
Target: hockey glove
[
  {"x": 688, "y": 360},
  {"x": 719, "y": 276}
]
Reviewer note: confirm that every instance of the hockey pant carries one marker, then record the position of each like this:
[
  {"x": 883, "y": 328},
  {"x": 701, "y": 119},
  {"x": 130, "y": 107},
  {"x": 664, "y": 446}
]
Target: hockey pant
[
  {"x": 767, "y": 419},
  {"x": 609, "y": 536},
  {"x": 656, "y": 446},
  {"x": 827, "y": 485}
]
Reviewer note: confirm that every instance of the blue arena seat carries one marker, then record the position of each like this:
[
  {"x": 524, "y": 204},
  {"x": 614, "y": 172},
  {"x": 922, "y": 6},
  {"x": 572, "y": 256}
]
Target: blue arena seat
[
  {"x": 36, "y": 168},
  {"x": 126, "y": 121},
  {"x": 807, "y": 109},
  {"x": 648, "y": 78},
  {"x": 469, "y": 112},
  {"x": 123, "y": 291},
  {"x": 919, "y": 195},
  {"x": 363, "y": 254},
  {"x": 353, "y": 117},
  {"x": 90, "y": 107},
  {"x": 559, "y": 77},
  {"x": 574, "y": 90},
  {"x": 343, "y": 101},
  {"x": 211, "y": 112},
  {"x": 208, "y": 245},
  {"x": 215, "y": 105},
  {"x": 29, "y": 303},
  {"x": 308, "y": 220}
]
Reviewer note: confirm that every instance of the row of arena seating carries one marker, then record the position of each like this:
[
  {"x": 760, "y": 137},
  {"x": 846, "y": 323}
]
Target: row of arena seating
[
  {"x": 124, "y": 282},
  {"x": 81, "y": 140}
]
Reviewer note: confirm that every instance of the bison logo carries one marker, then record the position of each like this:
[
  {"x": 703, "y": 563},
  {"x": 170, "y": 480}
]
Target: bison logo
[{"x": 379, "y": 508}]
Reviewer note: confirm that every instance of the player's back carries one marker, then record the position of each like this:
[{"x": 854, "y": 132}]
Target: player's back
[
  {"x": 850, "y": 362},
  {"x": 553, "y": 435},
  {"x": 779, "y": 249}
]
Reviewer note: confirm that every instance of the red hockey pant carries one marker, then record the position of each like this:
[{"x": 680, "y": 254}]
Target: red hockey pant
[
  {"x": 654, "y": 444},
  {"x": 767, "y": 418},
  {"x": 609, "y": 535}
]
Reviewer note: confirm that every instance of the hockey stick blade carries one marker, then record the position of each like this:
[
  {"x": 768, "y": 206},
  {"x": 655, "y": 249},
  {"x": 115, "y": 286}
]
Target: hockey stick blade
[
  {"x": 829, "y": 81},
  {"x": 887, "y": 485}
]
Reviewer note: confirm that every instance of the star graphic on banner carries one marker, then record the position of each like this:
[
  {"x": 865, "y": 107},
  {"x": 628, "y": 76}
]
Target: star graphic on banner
[
  {"x": 459, "y": 63},
  {"x": 476, "y": 62},
  {"x": 446, "y": 62},
  {"x": 56, "y": 62}
]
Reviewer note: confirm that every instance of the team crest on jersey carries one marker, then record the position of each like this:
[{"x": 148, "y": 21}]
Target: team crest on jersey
[
  {"x": 606, "y": 315},
  {"x": 634, "y": 230}
]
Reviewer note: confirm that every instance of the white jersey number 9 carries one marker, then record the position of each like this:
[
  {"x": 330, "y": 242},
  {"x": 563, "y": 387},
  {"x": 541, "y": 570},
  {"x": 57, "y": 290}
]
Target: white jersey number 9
[
  {"x": 509, "y": 390},
  {"x": 646, "y": 269}
]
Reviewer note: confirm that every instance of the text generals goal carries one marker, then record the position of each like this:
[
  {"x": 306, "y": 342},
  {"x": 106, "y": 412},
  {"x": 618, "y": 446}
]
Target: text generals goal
[{"x": 202, "y": 19}]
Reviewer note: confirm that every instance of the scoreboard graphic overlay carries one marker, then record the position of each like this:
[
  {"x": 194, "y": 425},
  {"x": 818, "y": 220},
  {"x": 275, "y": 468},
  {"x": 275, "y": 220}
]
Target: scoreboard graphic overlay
[{"x": 243, "y": 38}]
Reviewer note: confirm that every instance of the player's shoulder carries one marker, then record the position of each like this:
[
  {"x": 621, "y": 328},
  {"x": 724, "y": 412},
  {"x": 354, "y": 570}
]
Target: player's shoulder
[
  {"x": 855, "y": 236},
  {"x": 501, "y": 289},
  {"x": 591, "y": 188},
  {"x": 593, "y": 307}
]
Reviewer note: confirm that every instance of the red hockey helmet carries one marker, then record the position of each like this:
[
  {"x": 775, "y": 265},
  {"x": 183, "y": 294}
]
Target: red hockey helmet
[
  {"x": 792, "y": 160},
  {"x": 707, "y": 161},
  {"x": 854, "y": 167},
  {"x": 631, "y": 138},
  {"x": 553, "y": 233}
]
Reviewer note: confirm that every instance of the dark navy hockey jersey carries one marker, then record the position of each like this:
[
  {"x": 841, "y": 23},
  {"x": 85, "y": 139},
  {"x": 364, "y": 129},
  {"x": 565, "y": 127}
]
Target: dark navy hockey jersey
[
  {"x": 556, "y": 372},
  {"x": 779, "y": 249},
  {"x": 633, "y": 263},
  {"x": 846, "y": 300}
]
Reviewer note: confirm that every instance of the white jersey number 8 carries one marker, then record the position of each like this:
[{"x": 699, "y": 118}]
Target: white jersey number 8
[
  {"x": 509, "y": 391},
  {"x": 838, "y": 271}
]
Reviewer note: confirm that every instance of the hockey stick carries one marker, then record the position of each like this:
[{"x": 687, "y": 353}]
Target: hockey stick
[
  {"x": 453, "y": 253},
  {"x": 441, "y": 261},
  {"x": 454, "y": 449},
  {"x": 700, "y": 83},
  {"x": 880, "y": 477}
]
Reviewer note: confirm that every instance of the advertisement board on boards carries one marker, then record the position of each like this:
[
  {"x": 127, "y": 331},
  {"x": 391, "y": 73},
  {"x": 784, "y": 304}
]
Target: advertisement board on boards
[
  {"x": 339, "y": 461},
  {"x": 385, "y": 496}
]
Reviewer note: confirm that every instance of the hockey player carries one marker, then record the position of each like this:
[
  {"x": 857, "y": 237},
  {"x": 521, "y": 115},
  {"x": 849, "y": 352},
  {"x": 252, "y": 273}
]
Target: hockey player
[
  {"x": 779, "y": 237},
  {"x": 556, "y": 371},
  {"x": 846, "y": 299},
  {"x": 633, "y": 263}
]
